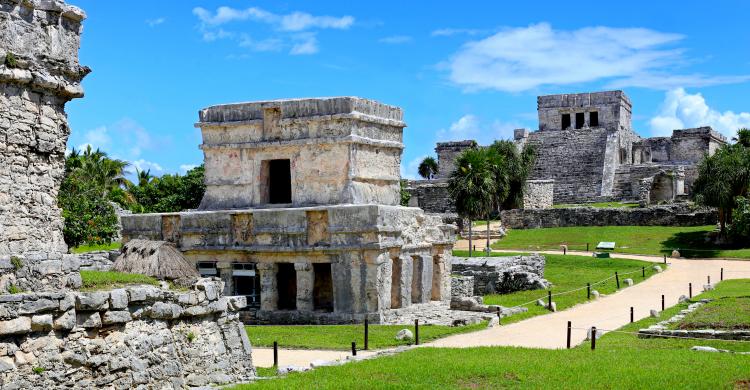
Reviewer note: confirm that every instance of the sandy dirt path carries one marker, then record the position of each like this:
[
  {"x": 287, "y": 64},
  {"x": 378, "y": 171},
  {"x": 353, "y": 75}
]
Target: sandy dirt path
[{"x": 263, "y": 357}]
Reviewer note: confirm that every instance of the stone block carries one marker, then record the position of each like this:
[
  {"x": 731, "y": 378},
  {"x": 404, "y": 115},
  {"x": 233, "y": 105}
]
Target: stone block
[
  {"x": 67, "y": 302},
  {"x": 98, "y": 300},
  {"x": 89, "y": 320},
  {"x": 41, "y": 322},
  {"x": 166, "y": 311},
  {"x": 66, "y": 321},
  {"x": 116, "y": 317},
  {"x": 39, "y": 305},
  {"x": 20, "y": 325},
  {"x": 118, "y": 299}
]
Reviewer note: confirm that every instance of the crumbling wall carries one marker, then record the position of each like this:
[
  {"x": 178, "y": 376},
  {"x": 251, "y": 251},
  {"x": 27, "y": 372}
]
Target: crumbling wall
[
  {"x": 538, "y": 194},
  {"x": 39, "y": 73},
  {"x": 502, "y": 274},
  {"x": 135, "y": 337},
  {"x": 447, "y": 153}
]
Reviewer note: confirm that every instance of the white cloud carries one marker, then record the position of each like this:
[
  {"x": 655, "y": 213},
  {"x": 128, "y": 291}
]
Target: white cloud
[
  {"x": 186, "y": 167},
  {"x": 96, "y": 138},
  {"x": 447, "y": 32},
  {"x": 410, "y": 170},
  {"x": 520, "y": 59},
  {"x": 396, "y": 39},
  {"x": 143, "y": 165},
  {"x": 683, "y": 110},
  {"x": 295, "y": 31},
  {"x": 155, "y": 22},
  {"x": 469, "y": 127}
]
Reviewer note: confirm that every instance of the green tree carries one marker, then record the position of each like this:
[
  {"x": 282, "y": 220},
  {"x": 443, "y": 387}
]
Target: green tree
[
  {"x": 723, "y": 177},
  {"x": 168, "y": 193},
  {"x": 472, "y": 186},
  {"x": 428, "y": 168},
  {"x": 405, "y": 195}
]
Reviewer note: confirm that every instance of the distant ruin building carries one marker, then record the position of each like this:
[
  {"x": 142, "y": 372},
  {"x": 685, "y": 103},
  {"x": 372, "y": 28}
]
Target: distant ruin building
[
  {"x": 587, "y": 151},
  {"x": 301, "y": 213},
  {"x": 39, "y": 73}
]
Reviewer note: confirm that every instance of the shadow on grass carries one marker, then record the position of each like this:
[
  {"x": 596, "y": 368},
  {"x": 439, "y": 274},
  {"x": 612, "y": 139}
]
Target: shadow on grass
[{"x": 694, "y": 245}]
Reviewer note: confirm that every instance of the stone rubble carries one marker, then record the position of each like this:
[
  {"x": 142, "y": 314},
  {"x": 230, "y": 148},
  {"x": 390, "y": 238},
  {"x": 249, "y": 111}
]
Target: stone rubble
[{"x": 503, "y": 274}]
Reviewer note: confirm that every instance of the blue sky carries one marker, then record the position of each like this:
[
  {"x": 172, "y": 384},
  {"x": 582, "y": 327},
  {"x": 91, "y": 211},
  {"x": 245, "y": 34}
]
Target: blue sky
[{"x": 460, "y": 70}]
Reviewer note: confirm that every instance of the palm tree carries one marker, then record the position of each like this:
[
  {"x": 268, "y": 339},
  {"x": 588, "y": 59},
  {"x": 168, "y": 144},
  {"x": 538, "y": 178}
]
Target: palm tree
[
  {"x": 743, "y": 137},
  {"x": 144, "y": 177},
  {"x": 428, "y": 168},
  {"x": 472, "y": 186}
]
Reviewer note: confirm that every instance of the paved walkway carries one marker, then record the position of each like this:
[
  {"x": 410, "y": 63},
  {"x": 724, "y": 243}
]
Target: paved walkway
[
  {"x": 610, "y": 312},
  {"x": 263, "y": 357}
]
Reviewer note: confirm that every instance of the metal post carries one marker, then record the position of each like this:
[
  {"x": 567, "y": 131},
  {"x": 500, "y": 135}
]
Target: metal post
[
  {"x": 354, "y": 348},
  {"x": 662, "y": 302},
  {"x": 565, "y": 250},
  {"x": 617, "y": 279},
  {"x": 709, "y": 279},
  {"x": 498, "y": 312},
  {"x": 416, "y": 332},
  {"x": 549, "y": 299},
  {"x": 665, "y": 259},
  {"x": 275, "y": 354},
  {"x": 588, "y": 290},
  {"x": 570, "y": 325},
  {"x": 631, "y": 314},
  {"x": 643, "y": 271},
  {"x": 367, "y": 334},
  {"x": 690, "y": 290},
  {"x": 722, "y": 274},
  {"x": 587, "y": 247},
  {"x": 593, "y": 338}
]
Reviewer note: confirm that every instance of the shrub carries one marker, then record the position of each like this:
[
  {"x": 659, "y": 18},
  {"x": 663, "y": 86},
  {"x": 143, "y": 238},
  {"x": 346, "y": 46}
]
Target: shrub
[
  {"x": 38, "y": 370},
  {"x": 16, "y": 262},
  {"x": 190, "y": 337},
  {"x": 13, "y": 289},
  {"x": 10, "y": 60},
  {"x": 739, "y": 231}
]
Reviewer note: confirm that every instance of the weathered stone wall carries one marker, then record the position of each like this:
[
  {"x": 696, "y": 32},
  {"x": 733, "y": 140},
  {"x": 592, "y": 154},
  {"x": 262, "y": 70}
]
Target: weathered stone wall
[
  {"x": 447, "y": 153},
  {"x": 461, "y": 286},
  {"x": 663, "y": 215},
  {"x": 341, "y": 150},
  {"x": 502, "y": 274},
  {"x": 613, "y": 109},
  {"x": 137, "y": 337},
  {"x": 39, "y": 73},
  {"x": 39, "y": 272},
  {"x": 539, "y": 194},
  {"x": 97, "y": 260},
  {"x": 430, "y": 196}
]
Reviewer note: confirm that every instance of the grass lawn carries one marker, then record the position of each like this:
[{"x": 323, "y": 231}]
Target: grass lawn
[
  {"x": 569, "y": 273},
  {"x": 647, "y": 240},
  {"x": 340, "y": 337},
  {"x": 621, "y": 361},
  {"x": 100, "y": 280},
  {"x": 730, "y": 308},
  {"x": 598, "y": 205},
  {"x": 96, "y": 247}
]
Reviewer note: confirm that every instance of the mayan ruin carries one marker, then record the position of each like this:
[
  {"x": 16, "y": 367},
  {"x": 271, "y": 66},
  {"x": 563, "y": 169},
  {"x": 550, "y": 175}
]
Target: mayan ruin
[{"x": 333, "y": 195}]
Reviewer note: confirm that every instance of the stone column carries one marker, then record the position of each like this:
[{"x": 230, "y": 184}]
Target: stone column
[
  {"x": 305, "y": 283},
  {"x": 407, "y": 272},
  {"x": 225, "y": 273},
  {"x": 421, "y": 289},
  {"x": 269, "y": 293}
]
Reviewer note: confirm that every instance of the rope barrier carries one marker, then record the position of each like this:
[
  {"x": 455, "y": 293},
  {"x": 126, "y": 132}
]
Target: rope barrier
[{"x": 660, "y": 335}]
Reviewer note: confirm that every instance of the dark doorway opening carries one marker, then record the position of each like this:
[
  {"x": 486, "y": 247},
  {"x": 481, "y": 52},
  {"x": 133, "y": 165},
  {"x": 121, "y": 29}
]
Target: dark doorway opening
[
  {"x": 593, "y": 119},
  {"x": 396, "y": 283},
  {"x": 580, "y": 120},
  {"x": 286, "y": 282},
  {"x": 565, "y": 121},
  {"x": 279, "y": 181},
  {"x": 323, "y": 288}
]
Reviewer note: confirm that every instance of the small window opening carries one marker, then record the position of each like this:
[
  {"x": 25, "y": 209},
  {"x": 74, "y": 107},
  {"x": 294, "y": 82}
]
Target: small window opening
[
  {"x": 565, "y": 121},
  {"x": 246, "y": 283},
  {"x": 279, "y": 181},
  {"x": 207, "y": 268},
  {"x": 579, "y": 120},
  {"x": 593, "y": 119}
]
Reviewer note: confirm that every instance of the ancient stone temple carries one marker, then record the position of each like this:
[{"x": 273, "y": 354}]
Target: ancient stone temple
[
  {"x": 52, "y": 336},
  {"x": 39, "y": 73},
  {"x": 301, "y": 213}
]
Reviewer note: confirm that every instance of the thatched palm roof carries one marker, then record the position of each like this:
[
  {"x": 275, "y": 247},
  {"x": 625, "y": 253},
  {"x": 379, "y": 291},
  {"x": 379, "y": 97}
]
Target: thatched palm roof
[{"x": 159, "y": 259}]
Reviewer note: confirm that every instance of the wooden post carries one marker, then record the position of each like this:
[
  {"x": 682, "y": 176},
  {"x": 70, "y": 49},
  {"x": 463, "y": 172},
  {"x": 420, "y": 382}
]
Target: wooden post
[
  {"x": 665, "y": 259},
  {"x": 275, "y": 354},
  {"x": 709, "y": 279},
  {"x": 354, "y": 348},
  {"x": 569, "y": 328},
  {"x": 593, "y": 338},
  {"x": 367, "y": 334},
  {"x": 690, "y": 290},
  {"x": 587, "y": 247},
  {"x": 498, "y": 313},
  {"x": 588, "y": 290},
  {"x": 721, "y": 278},
  {"x": 565, "y": 250},
  {"x": 416, "y": 332},
  {"x": 662, "y": 302},
  {"x": 643, "y": 271},
  {"x": 549, "y": 300},
  {"x": 631, "y": 314},
  {"x": 617, "y": 279}
]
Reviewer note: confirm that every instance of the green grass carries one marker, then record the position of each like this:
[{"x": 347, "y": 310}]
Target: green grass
[
  {"x": 730, "y": 308},
  {"x": 598, "y": 205},
  {"x": 340, "y": 337},
  {"x": 568, "y": 273},
  {"x": 100, "y": 280},
  {"x": 620, "y": 361},
  {"x": 647, "y": 240},
  {"x": 96, "y": 247}
]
